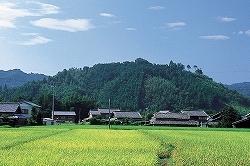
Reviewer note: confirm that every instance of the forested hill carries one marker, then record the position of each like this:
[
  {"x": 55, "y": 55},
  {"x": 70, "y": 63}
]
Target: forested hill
[
  {"x": 243, "y": 88},
  {"x": 16, "y": 77},
  {"x": 138, "y": 85}
]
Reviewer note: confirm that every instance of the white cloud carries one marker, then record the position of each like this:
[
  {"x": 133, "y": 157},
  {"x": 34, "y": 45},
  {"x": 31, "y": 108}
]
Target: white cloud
[
  {"x": 131, "y": 29},
  {"x": 226, "y": 19},
  {"x": 240, "y": 32},
  {"x": 247, "y": 32},
  {"x": 44, "y": 8},
  {"x": 10, "y": 12},
  {"x": 156, "y": 8},
  {"x": 107, "y": 15},
  {"x": 70, "y": 25},
  {"x": 35, "y": 39},
  {"x": 175, "y": 25},
  {"x": 215, "y": 37}
]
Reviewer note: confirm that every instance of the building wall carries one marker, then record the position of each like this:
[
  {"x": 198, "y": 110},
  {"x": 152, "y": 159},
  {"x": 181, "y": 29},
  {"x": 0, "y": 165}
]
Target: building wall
[
  {"x": 25, "y": 107},
  {"x": 64, "y": 118}
]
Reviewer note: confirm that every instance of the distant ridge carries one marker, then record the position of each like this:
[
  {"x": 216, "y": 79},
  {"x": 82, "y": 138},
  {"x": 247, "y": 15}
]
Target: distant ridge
[
  {"x": 243, "y": 88},
  {"x": 16, "y": 77},
  {"x": 136, "y": 85}
]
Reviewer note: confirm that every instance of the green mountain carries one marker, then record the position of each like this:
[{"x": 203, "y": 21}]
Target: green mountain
[
  {"x": 16, "y": 77},
  {"x": 137, "y": 85},
  {"x": 243, "y": 88}
]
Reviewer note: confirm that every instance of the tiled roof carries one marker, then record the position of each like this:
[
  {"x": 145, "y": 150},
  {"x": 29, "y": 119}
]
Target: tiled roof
[
  {"x": 170, "y": 122},
  {"x": 64, "y": 113},
  {"x": 133, "y": 115},
  {"x": 8, "y": 107},
  {"x": 106, "y": 110},
  {"x": 195, "y": 113},
  {"x": 171, "y": 115},
  {"x": 242, "y": 120},
  {"x": 94, "y": 112},
  {"x": 164, "y": 112}
]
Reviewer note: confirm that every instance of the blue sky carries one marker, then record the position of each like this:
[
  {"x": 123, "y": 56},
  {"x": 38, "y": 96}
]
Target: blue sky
[{"x": 47, "y": 36}]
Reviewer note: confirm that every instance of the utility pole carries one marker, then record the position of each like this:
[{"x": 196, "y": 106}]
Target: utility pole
[
  {"x": 53, "y": 103},
  {"x": 109, "y": 113}
]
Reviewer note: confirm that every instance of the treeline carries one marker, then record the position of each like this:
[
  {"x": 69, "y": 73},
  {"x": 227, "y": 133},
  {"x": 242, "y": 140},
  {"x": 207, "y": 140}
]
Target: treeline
[{"x": 138, "y": 85}]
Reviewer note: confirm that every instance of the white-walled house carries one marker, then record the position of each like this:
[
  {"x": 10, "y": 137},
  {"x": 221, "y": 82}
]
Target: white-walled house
[{"x": 27, "y": 107}]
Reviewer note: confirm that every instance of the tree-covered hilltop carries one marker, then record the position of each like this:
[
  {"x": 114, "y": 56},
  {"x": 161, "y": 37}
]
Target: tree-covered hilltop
[
  {"x": 138, "y": 85},
  {"x": 16, "y": 77}
]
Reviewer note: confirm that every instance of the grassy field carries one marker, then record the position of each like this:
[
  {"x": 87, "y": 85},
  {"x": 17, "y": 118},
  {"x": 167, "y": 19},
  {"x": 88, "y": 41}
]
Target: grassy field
[{"x": 123, "y": 145}]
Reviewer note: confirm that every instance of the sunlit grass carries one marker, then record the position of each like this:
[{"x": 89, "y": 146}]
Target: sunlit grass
[{"x": 124, "y": 145}]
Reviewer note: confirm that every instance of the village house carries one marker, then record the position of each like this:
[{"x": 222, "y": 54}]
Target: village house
[
  {"x": 199, "y": 115},
  {"x": 170, "y": 118},
  {"x": 102, "y": 113},
  {"x": 214, "y": 119},
  {"x": 243, "y": 123},
  {"x": 127, "y": 116},
  {"x": 17, "y": 112},
  {"x": 10, "y": 109},
  {"x": 27, "y": 107},
  {"x": 65, "y": 116}
]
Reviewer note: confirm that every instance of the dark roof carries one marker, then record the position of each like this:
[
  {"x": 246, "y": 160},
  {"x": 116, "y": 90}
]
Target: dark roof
[
  {"x": 94, "y": 112},
  {"x": 195, "y": 113},
  {"x": 242, "y": 120},
  {"x": 64, "y": 113},
  {"x": 106, "y": 110},
  {"x": 170, "y": 122},
  {"x": 133, "y": 115},
  {"x": 8, "y": 107},
  {"x": 171, "y": 115}
]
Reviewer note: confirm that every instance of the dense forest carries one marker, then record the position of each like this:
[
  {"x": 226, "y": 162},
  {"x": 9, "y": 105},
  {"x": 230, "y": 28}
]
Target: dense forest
[{"x": 138, "y": 85}]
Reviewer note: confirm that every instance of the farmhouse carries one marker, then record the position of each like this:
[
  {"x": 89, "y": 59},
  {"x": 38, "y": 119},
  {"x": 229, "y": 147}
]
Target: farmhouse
[
  {"x": 17, "y": 113},
  {"x": 9, "y": 109},
  {"x": 170, "y": 118},
  {"x": 243, "y": 123},
  {"x": 65, "y": 116},
  {"x": 200, "y": 116},
  {"x": 23, "y": 107},
  {"x": 127, "y": 116},
  {"x": 27, "y": 107},
  {"x": 103, "y": 112},
  {"x": 214, "y": 119}
]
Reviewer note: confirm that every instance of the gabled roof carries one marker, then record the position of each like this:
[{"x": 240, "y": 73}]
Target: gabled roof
[
  {"x": 106, "y": 110},
  {"x": 133, "y": 115},
  {"x": 164, "y": 112},
  {"x": 171, "y": 115},
  {"x": 8, "y": 107},
  {"x": 64, "y": 113},
  {"x": 30, "y": 103},
  {"x": 195, "y": 113},
  {"x": 94, "y": 112},
  {"x": 242, "y": 120},
  {"x": 171, "y": 122}
]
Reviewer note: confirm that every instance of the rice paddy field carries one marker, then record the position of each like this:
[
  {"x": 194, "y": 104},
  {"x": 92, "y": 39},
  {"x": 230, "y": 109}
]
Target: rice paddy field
[{"x": 123, "y": 145}]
